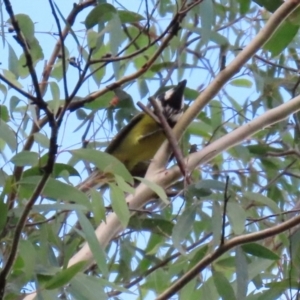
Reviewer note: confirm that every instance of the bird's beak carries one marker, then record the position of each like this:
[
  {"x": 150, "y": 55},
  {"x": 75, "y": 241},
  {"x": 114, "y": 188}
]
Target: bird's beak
[
  {"x": 176, "y": 97},
  {"x": 180, "y": 87}
]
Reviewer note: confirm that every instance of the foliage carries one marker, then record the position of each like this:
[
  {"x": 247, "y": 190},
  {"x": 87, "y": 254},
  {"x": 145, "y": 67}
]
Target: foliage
[{"x": 66, "y": 92}]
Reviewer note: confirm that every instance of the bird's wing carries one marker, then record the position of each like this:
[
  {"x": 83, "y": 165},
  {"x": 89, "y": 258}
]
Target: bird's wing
[
  {"x": 117, "y": 140},
  {"x": 149, "y": 134}
]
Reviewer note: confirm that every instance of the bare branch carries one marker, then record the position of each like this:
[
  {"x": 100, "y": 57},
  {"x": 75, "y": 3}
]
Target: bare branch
[
  {"x": 203, "y": 99},
  {"x": 106, "y": 231},
  {"x": 236, "y": 241},
  {"x": 29, "y": 62},
  {"x": 172, "y": 140}
]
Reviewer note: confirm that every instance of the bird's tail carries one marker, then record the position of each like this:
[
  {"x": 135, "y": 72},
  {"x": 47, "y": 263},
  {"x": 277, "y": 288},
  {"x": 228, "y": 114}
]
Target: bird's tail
[{"x": 95, "y": 180}]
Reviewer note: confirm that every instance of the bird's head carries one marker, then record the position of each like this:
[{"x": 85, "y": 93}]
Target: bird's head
[{"x": 171, "y": 103}]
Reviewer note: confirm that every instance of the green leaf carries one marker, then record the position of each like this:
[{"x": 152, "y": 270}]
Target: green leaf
[
  {"x": 34, "y": 171},
  {"x": 41, "y": 139},
  {"x": 28, "y": 253},
  {"x": 54, "y": 90},
  {"x": 237, "y": 217},
  {"x": 282, "y": 37},
  {"x": 127, "y": 16},
  {"x": 59, "y": 168},
  {"x": 55, "y": 96},
  {"x": 211, "y": 184},
  {"x": 114, "y": 27},
  {"x": 3, "y": 89},
  {"x": 200, "y": 129},
  {"x": 55, "y": 189},
  {"x": 57, "y": 71},
  {"x": 104, "y": 161},
  {"x": 156, "y": 225},
  {"x": 216, "y": 114},
  {"x": 123, "y": 185},
  {"x": 90, "y": 236},
  {"x": 223, "y": 286},
  {"x": 4, "y": 113},
  {"x": 197, "y": 255},
  {"x": 2, "y": 25},
  {"x": 183, "y": 227},
  {"x": 242, "y": 277},
  {"x": 143, "y": 88},
  {"x": 98, "y": 207},
  {"x": 37, "y": 54},
  {"x": 41, "y": 208},
  {"x": 97, "y": 70},
  {"x": 13, "y": 103},
  {"x": 92, "y": 39},
  {"x": 3, "y": 179},
  {"x": 63, "y": 277},
  {"x": 158, "y": 190},
  {"x": 188, "y": 290},
  {"x": 26, "y": 25},
  {"x": 284, "y": 284},
  {"x": 273, "y": 293},
  {"x": 219, "y": 39},
  {"x": 119, "y": 204},
  {"x": 100, "y": 102},
  {"x": 13, "y": 62},
  {"x": 259, "y": 198},
  {"x": 101, "y": 13},
  {"x": 216, "y": 223},
  {"x": 206, "y": 10},
  {"x": 244, "y": 6},
  {"x": 270, "y": 5},
  {"x": 87, "y": 288},
  {"x": 164, "y": 7},
  {"x": 81, "y": 114},
  {"x": 241, "y": 83},
  {"x": 12, "y": 78},
  {"x": 8, "y": 135},
  {"x": 260, "y": 251},
  {"x": 25, "y": 158},
  {"x": 262, "y": 149}
]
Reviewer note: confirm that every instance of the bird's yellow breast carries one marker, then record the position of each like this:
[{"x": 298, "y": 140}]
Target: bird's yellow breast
[{"x": 139, "y": 143}]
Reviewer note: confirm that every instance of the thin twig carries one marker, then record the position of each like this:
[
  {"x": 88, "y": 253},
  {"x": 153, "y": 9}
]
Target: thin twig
[
  {"x": 226, "y": 199},
  {"x": 275, "y": 65},
  {"x": 236, "y": 241},
  {"x": 148, "y": 111},
  {"x": 172, "y": 28},
  {"x": 284, "y": 153},
  {"x": 63, "y": 52},
  {"x": 254, "y": 220},
  {"x": 80, "y": 79},
  {"x": 29, "y": 62},
  {"x": 16, "y": 88},
  {"x": 277, "y": 176},
  {"x": 160, "y": 265},
  {"x": 17, "y": 234},
  {"x": 77, "y": 8},
  {"x": 172, "y": 140}
]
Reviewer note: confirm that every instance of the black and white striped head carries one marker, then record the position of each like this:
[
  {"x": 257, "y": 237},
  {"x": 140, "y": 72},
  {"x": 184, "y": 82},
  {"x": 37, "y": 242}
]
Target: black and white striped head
[{"x": 171, "y": 103}]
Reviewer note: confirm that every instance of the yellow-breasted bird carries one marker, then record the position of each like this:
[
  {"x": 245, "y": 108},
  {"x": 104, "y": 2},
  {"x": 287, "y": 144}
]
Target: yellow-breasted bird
[{"x": 137, "y": 142}]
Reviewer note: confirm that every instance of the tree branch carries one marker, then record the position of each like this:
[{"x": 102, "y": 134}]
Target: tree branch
[
  {"x": 106, "y": 231},
  {"x": 203, "y": 99},
  {"x": 236, "y": 241}
]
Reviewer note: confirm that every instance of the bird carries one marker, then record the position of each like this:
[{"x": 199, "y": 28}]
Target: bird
[{"x": 137, "y": 142}]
